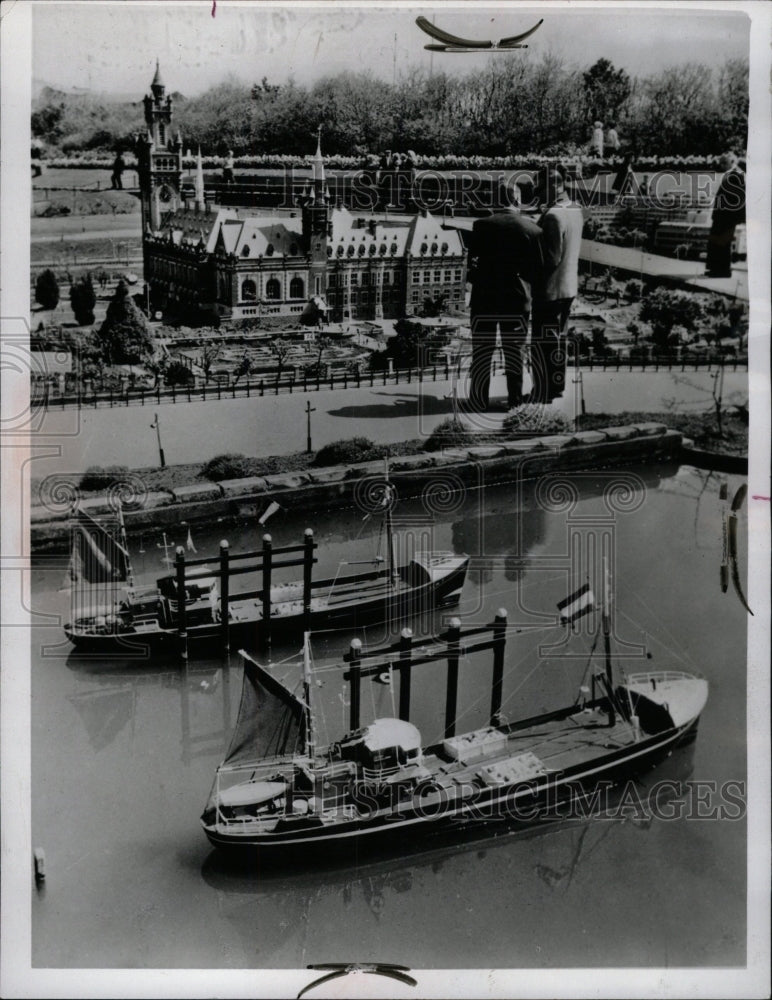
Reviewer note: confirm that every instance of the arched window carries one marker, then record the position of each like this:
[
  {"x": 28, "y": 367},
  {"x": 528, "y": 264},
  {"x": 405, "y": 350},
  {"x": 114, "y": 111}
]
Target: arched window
[
  {"x": 272, "y": 289},
  {"x": 245, "y": 250},
  {"x": 297, "y": 288},
  {"x": 269, "y": 250},
  {"x": 248, "y": 290},
  {"x": 293, "y": 249}
]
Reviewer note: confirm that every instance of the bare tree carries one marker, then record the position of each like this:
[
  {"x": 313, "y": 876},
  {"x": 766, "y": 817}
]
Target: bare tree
[{"x": 281, "y": 351}]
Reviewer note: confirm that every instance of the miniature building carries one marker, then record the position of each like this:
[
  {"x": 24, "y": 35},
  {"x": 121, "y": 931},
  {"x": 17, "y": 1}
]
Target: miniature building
[{"x": 251, "y": 262}]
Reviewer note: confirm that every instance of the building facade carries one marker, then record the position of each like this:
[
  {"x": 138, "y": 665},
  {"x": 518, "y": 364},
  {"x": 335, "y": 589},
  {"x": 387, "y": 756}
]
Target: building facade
[{"x": 243, "y": 263}]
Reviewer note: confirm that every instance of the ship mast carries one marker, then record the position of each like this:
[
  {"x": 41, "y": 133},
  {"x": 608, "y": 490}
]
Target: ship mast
[
  {"x": 387, "y": 499},
  {"x": 606, "y": 616},
  {"x": 310, "y": 748}
]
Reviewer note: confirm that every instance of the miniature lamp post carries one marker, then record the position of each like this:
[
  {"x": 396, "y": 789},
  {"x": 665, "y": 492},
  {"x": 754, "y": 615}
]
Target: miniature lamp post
[
  {"x": 309, "y": 410},
  {"x": 157, "y": 427}
]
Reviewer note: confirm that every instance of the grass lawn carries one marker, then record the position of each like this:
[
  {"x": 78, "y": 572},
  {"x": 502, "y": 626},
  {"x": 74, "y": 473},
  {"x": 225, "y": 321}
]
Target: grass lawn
[{"x": 700, "y": 427}]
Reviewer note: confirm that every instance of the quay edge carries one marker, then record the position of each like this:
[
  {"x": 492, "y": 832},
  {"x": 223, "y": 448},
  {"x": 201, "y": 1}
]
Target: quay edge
[{"x": 320, "y": 489}]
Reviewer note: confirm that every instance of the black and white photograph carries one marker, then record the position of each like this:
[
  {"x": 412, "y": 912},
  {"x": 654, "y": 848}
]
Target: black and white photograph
[{"x": 385, "y": 499}]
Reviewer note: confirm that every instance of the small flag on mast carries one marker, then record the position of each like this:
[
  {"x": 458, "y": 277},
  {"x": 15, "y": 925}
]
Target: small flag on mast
[
  {"x": 191, "y": 546},
  {"x": 577, "y": 604}
]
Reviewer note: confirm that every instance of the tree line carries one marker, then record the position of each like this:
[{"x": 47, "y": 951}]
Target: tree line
[{"x": 516, "y": 105}]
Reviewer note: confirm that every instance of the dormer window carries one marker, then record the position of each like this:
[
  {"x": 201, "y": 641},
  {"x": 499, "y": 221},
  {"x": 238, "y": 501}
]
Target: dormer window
[
  {"x": 424, "y": 248},
  {"x": 293, "y": 249},
  {"x": 245, "y": 250},
  {"x": 269, "y": 250}
]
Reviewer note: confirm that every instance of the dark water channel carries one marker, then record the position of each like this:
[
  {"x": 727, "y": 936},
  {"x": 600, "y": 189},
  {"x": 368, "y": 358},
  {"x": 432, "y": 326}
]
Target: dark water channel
[{"x": 123, "y": 756}]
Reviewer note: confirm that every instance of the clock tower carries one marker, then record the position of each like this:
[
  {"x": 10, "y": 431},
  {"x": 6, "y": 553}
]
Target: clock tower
[
  {"x": 159, "y": 158},
  {"x": 316, "y": 223}
]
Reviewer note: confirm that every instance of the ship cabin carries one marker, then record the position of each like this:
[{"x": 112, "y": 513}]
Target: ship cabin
[
  {"x": 201, "y": 600},
  {"x": 387, "y": 749}
]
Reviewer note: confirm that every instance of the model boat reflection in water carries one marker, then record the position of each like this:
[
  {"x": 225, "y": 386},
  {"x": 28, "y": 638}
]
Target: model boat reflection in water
[{"x": 280, "y": 791}]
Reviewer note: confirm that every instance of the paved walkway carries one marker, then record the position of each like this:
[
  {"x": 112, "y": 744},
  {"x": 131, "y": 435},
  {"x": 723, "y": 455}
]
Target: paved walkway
[
  {"x": 652, "y": 265},
  {"x": 275, "y": 425}
]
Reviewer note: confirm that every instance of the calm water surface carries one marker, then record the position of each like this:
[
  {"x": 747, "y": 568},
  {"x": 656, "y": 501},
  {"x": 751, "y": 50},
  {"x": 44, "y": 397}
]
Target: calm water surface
[{"x": 124, "y": 756}]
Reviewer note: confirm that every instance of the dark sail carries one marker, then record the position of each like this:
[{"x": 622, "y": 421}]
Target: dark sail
[{"x": 271, "y": 720}]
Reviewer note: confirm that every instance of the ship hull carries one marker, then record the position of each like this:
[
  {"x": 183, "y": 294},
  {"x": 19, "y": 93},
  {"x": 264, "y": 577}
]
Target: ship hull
[
  {"x": 205, "y": 637},
  {"x": 571, "y": 792}
]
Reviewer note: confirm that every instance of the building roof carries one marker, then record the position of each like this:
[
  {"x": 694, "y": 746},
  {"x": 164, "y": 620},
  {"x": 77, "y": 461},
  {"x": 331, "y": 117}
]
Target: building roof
[
  {"x": 354, "y": 237},
  {"x": 261, "y": 236}
]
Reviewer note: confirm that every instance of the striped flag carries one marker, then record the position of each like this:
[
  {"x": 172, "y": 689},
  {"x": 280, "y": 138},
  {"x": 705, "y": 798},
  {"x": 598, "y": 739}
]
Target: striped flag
[
  {"x": 96, "y": 555},
  {"x": 577, "y": 604}
]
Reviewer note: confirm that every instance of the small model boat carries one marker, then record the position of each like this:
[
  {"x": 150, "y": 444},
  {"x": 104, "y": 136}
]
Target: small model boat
[
  {"x": 114, "y": 620},
  {"x": 279, "y": 793}
]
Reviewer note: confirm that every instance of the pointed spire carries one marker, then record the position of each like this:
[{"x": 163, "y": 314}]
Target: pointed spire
[
  {"x": 318, "y": 162},
  {"x": 200, "y": 199},
  {"x": 157, "y": 81}
]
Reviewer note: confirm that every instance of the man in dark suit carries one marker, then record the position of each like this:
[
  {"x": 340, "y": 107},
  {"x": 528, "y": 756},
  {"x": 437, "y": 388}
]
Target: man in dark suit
[
  {"x": 728, "y": 212},
  {"x": 505, "y": 258}
]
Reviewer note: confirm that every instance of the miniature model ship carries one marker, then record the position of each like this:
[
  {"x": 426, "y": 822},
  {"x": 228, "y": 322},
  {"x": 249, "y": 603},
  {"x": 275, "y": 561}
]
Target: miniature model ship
[
  {"x": 149, "y": 617},
  {"x": 381, "y": 783},
  {"x": 126, "y": 620}
]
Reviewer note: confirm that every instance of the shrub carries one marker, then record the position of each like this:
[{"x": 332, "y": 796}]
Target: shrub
[
  {"x": 178, "y": 374},
  {"x": 83, "y": 300},
  {"x": 125, "y": 334},
  {"x": 47, "y": 289},
  {"x": 356, "y": 449},
  {"x": 451, "y": 433},
  {"x": 97, "y": 478},
  {"x": 226, "y": 467},
  {"x": 536, "y": 418},
  {"x": 634, "y": 290}
]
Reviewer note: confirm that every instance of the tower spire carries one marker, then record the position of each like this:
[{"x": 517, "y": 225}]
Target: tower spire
[
  {"x": 200, "y": 199},
  {"x": 157, "y": 86},
  {"x": 318, "y": 163}
]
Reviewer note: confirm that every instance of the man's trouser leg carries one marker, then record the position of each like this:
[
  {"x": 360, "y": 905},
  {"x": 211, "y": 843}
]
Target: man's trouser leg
[
  {"x": 548, "y": 349},
  {"x": 513, "y": 334},
  {"x": 483, "y": 343}
]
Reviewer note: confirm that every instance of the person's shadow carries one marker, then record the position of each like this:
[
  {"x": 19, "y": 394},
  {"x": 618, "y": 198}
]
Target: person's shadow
[{"x": 403, "y": 406}]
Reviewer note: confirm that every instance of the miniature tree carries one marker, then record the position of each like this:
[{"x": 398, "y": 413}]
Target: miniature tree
[
  {"x": 280, "y": 350},
  {"x": 125, "y": 335},
  {"x": 83, "y": 300},
  {"x": 47, "y": 289}
]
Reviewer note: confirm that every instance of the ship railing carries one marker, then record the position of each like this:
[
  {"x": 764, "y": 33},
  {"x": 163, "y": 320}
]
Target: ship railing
[
  {"x": 378, "y": 773},
  {"x": 662, "y": 676}
]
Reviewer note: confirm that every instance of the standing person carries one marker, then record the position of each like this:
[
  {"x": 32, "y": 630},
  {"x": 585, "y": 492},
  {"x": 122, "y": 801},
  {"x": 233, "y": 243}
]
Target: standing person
[
  {"x": 561, "y": 224},
  {"x": 728, "y": 212},
  {"x": 505, "y": 258},
  {"x": 612, "y": 139},
  {"x": 119, "y": 166},
  {"x": 227, "y": 174},
  {"x": 596, "y": 142}
]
